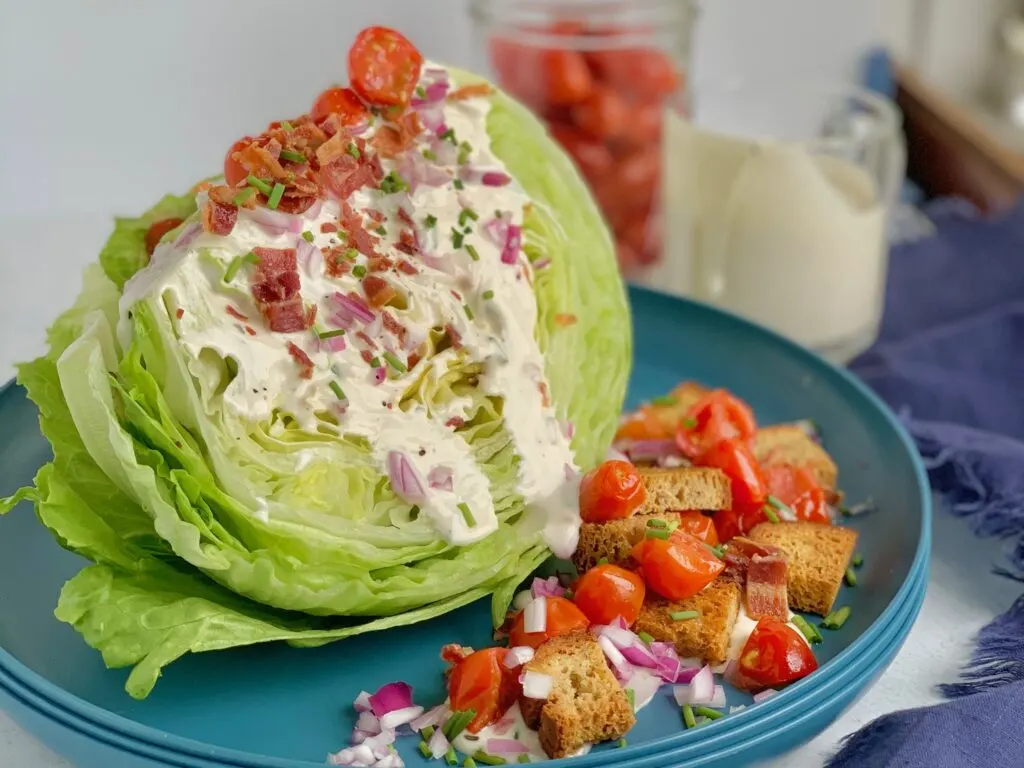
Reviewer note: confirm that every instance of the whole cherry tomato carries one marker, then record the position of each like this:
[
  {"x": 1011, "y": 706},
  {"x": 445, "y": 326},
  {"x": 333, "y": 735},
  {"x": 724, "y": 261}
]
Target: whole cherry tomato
[
  {"x": 607, "y": 592},
  {"x": 593, "y": 158},
  {"x": 483, "y": 683},
  {"x": 700, "y": 526},
  {"x": 737, "y": 461},
  {"x": 775, "y": 654},
  {"x": 612, "y": 491},
  {"x": 644, "y": 72},
  {"x": 384, "y": 67},
  {"x": 644, "y": 126},
  {"x": 157, "y": 230},
  {"x": 343, "y": 102},
  {"x": 603, "y": 114},
  {"x": 678, "y": 567},
  {"x": 717, "y": 416},
  {"x": 797, "y": 488},
  {"x": 234, "y": 171},
  {"x": 562, "y": 617}
]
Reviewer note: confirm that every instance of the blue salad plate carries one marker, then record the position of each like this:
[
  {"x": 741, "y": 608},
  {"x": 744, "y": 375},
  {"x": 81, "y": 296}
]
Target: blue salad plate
[{"x": 274, "y": 706}]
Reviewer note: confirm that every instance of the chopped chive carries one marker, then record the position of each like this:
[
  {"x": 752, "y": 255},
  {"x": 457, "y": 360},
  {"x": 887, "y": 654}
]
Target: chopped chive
[
  {"x": 473, "y": 254},
  {"x": 375, "y": 362},
  {"x": 684, "y": 615},
  {"x": 251, "y": 258},
  {"x": 424, "y": 749},
  {"x": 631, "y": 696},
  {"x": 427, "y": 733},
  {"x": 498, "y": 214},
  {"x": 449, "y": 135},
  {"x": 857, "y": 561},
  {"x": 359, "y": 270},
  {"x": 465, "y": 149},
  {"x": 287, "y": 126},
  {"x": 351, "y": 254},
  {"x": 655, "y": 533},
  {"x": 851, "y": 577},
  {"x": 307, "y": 236},
  {"x": 457, "y": 183},
  {"x": 430, "y": 155},
  {"x": 450, "y": 757},
  {"x": 260, "y": 184},
  {"x": 718, "y": 551},
  {"x": 381, "y": 230},
  {"x": 469, "y": 311},
  {"x": 295, "y": 157},
  {"x": 243, "y": 197},
  {"x": 771, "y": 514},
  {"x": 430, "y": 221},
  {"x": 603, "y": 561},
  {"x": 393, "y": 183},
  {"x": 275, "y": 196},
  {"x": 657, "y": 523},
  {"x": 688, "y": 719},
  {"x": 836, "y": 619},
  {"x": 690, "y": 423},
  {"x": 337, "y": 390},
  {"x": 664, "y": 400},
  {"x": 807, "y": 630},
  {"x": 353, "y": 150},
  {"x": 569, "y": 594},
  {"x": 672, "y": 525},
  {"x": 487, "y": 759},
  {"x": 645, "y": 637},
  {"x": 467, "y": 215},
  {"x": 523, "y": 759},
  {"x": 414, "y": 512},
  {"x": 467, "y": 514},
  {"x": 457, "y": 238},
  {"x": 621, "y": 743},
  {"x": 421, "y": 92},
  {"x": 781, "y": 506},
  {"x": 233, "y": 268},
  {"x": 330, "y": 334},
  {"x": 708, "y": 712},
  {"x": 397, "y": 364},
  {"x": 488, "y": 294},
  {"x": 457, "y": 723},
  {"x": 469, "y": 762}
]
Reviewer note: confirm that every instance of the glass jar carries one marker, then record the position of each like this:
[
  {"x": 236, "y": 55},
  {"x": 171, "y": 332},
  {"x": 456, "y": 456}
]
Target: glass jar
[{"x": 603, "y": 75}]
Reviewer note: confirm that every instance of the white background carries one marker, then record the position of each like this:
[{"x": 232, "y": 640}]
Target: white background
[{"x": 105, "y": 105}]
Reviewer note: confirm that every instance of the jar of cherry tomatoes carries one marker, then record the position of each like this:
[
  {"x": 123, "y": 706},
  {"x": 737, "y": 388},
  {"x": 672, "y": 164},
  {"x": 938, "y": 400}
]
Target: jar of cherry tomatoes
[{"x": 604, "y": 75}]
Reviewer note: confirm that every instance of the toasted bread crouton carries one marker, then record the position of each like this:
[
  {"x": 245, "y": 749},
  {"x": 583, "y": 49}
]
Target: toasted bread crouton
[
  {"x": 680, "y": 488},
  {"x": 678, "y": 404},
  {"x": 817, "y": 557},
  {"x": 705, "y": 637},
  {"x": 586, "y": 704},
  {"x": 612, "y": 541},
  {"x": 789, "y": 444}
]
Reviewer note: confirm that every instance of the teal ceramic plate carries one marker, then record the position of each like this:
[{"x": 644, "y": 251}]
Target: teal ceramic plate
[{"x": 277, "y": 706}]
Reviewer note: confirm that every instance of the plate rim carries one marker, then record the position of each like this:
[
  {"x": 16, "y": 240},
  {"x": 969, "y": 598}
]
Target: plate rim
[{"x": 134, "y": 730}]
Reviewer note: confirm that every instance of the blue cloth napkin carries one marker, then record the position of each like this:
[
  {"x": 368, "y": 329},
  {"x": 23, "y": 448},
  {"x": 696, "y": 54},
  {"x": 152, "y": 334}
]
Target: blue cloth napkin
[{"x": 950, "y": 360}]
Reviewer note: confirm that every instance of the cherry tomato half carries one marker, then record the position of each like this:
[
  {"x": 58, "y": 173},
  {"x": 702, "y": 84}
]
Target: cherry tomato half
[
  {"x": 612, "y": 491},
  {"x": 384, "y": 67},
  {"x": 643, "y": 424},
  {"x": 482, "y": 682},
  {"x": 603, "y": 114},
  {"x": 717, "y": 416},
  {"x": 157, "y": 230},
  {"x": 727, "y": 524},
  {"x": 700, "y": 526},
  {"x": 797, "y": 488},
  {"x": 593, "y": 158},
  {"x": 678, "y": 567},
  {"x": 775, "y": 654},
  {"x": 234, "y": 171},
  {"x": 607, "y": 592},
  {"x": 343, "y": 102},
  {"x": 737, "y": 461},
  {"x": 648, "y": 73},
  {"x": 562, "y": 617}
]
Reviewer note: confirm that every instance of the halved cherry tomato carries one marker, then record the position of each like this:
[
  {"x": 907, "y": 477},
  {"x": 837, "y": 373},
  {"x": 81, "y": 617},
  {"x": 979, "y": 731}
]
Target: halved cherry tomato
[
  {"x": 649, "y": 73},
  {"x": 727, "y": 524},
  {"x": 482, "y": 682},
  {"x": 343, "y": 102},
  {"x": 644, "y": 125},
  {"x": 775, "y": 654},
  {"x": 678, "y": 567},
  {"x": 541, "y": 77},
  {"x": 717, "y": 416},
  {"x": 607, "y": 592},
  {"x": 612, "y": 491},
  {"x": 562, "y": 617},
  {"x": 384, "y": 67},
  {"x": 157, "y": 230},
  {"x": 593, "y": 158},
  {"x": 797, "y": 488},
  {"x": 737, "y": 461},
  {"x": 234, "y": 171},
  {"x": 700, "y": 526},
  {"x": 643, "y": 424},
  {"x": 603, "y": 114}
]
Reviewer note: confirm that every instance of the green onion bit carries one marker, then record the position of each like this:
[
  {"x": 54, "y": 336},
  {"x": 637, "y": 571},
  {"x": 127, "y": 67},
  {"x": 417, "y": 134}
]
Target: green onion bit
[
  {"x": 469, "y": 762},
  {"x": 450, "y": 757},
  {"x": 657, "y": 523},
  {"x": 655, "y": 533},
  {"x": 307, "y": 236},
  {"x": 836, "y": 619},
  {"x": 473, "y": 254},
  {"x": 807, "y": 629},
  {"x": 260, "y": 184},
  {"x": 851, "y": 577},
  {"x": 469, "y": 311},
  {"x": 397, "y": 364},
  {"x": 486, "y": 759},
  {"x": 424, "y": 749},
  {"x": 710, "y": 714},
  {"x": 467, "y": 514},
  {"x": 275, "y": 196},
  {"x": 295, "y": 157},
  {"x": 337, "y": 390},
  {"x": 621, "y": 743},
  {"x": 430, "y": 221},
  {"x": 857, "y": 561},
  {"x": 688, "y": 719},
  {"x": 330, "y": 334},
  {"x": 287, "y": 126},
  {"x": 488, "y": 294},
  {"x": 684, "y": 615},
  {"x": 645, "y": 637},
  {"x": 771, "y": 514},
  {"x": 353, "y": 150},
  {"x": 359, "y": 270}
]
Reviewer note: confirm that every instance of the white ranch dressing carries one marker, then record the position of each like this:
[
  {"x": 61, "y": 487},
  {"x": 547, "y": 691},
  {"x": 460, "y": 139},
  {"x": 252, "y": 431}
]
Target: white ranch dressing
[{"x": 500, "y": 337}]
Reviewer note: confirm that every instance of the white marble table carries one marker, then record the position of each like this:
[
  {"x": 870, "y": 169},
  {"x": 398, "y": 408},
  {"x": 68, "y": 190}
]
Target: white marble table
[{"x": 962, "y": 594}]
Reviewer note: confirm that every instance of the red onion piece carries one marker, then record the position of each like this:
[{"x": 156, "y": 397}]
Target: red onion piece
[
  {"x": 623, "y": 669},
  {"x": 368, "y": 722},
  {"x": 542, "y": 263},
  {"x": 435, "y": 716},
  {"x": 397, "y": 717},
  {"x": 536, "y": 685},
  {"x": 314, "y": 210},
  {"x": 334, "y": 344},
  {"x": 699, "y": 691},
  {"x": 644, "y": 685},
  {"x": 517, "y": 656},
  {"x": 764, "y": 695},
  {"x": 355, "y": 307},
  {"x": 438, "y": 744},
  {"x": 305, "y": 252},
  {"x": 513, "y": 241},
  {"x": 546, "y": 587},
  {"x": 496, "y": 229},
  {"x": 535, "y": 618},
  {"x": 275, "y": 222},
  {"x": 390, "y": 697},
  {"x": 380, "y": 375},
  {"x": 506, "y": 747},
  {"x": 362, "y": 702},
  {"x": 188, "y": 235},
  {"x": 404, "y": 479},
  {"x": 441, "y": 478},
  {"x": 417, "y": 170},
  {"x": 495, "y": 179}
]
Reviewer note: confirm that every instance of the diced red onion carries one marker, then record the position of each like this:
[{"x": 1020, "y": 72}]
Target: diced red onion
[
  {"x": 188, "y": 235},
  {"x": 718, "y": 701},
  {"x": 699, "y": 691},
  {"x": 496, "y": 229},
  {"x": 368, "y": 722},
  {"x": 764, "y": 695},
  {"x": 431, "y": 717},
  {"x": 309, "y": 256},
  {"x": 644, "y": 685},
  {"x": 623, "y": 669},
  {"x": 517, "y": 656},
  {"x": 570, "y": 430},
  {"x": 648, "y": 450},
  {"x": 397, "y": 717},
  {"x": 495, "y": 179},
  {"x": 438, "y": 744},
  {"x": 445, "y": 152},
  {"x": 362, "y": 702},
  {"x": 405, "y": 480},
  {"x": 542, "y": 263},
  {"x": 632, "y": 647},
  {"x": 355, "y": 307},
  {"x": 314, "y": 210},
  {"x": 275, "y": 222},
  {"x": 537, "y": 685},
  {"x": 417, "y": 170},
  {"x": 441, "y": 478},
  {"x": 334, "y": 344},
  {"x": 535, "y": 618},
  {"x": 513, "y": 241},
  {"x": 380, "y": 375},
  {"x": 522, "y": 599},
  {"x": 546, "y": 587},
  {"x": 390, "y": 697},
  {"x": 506, "y": 747}
]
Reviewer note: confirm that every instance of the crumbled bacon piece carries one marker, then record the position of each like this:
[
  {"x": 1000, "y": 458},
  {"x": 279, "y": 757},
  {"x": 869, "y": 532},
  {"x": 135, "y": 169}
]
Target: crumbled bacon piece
[
  {"x": 367, "y": 355},
  {"x": 276, "y": 286},
  {"x": 358, "y": 237},
  {"x": 300, "y": 357},
  {"x": 365, "y": 338},
  {"x": 275, "y": 260},
  {"x": 545, "y": 396},
  {"x": 261, "y": 162},
  {"x": 407, "y": 243},
  {"x": 218, "y": 218},
  {"x": 328, "y": 226},
  {"x": 236, "y": 314},
  {"x": 470, "y": 92},
  {"x": 456, "y": 295},
  {"x": 404, "y": 217},
  {"x": 453, "y": 336},
  {"x": 379, "y": 264},
  {"x": 288, "y": 316},
  {"x": 395, "y": 328},
  {"x": 250, "y": 330},
  {"x": 377, "y": 216},
  {"x": 378, "y": 291},
  {"x": 344, "y": 175},
  {"x": 565, "y": 319},
  {"x": 766, "y": 588},
  {"x": 407, "y": 268},
  {"x": 336, "y": 263},
  {"x": 453, "y": 653},
  {"x": 394, "y": 138},
  {"x": 413, "y": 360},
  {"x": 455, "y": 422},
  {"x": 179, "y": 313}
]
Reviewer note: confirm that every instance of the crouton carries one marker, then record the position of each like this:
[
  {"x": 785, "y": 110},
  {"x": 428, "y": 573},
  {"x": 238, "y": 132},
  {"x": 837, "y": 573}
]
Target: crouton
[
  {"x": 790, "y": 444},
  {"x": 586, "y": 704},
  {"x": 681, "y": 488},
  {"x": 705, "y": 637},
  {"x": 676, "y": 405},
  {"x": 817, "y": 556},
  {"x": 612, "y": 541}
]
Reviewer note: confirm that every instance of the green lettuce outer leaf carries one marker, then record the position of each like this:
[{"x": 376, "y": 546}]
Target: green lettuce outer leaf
[{"x": 124, "y": 253}]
